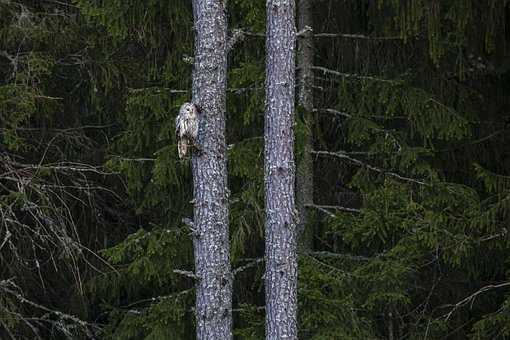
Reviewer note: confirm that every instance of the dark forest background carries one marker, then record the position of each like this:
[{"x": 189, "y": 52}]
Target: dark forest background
[{"x": 407, "y": 236}]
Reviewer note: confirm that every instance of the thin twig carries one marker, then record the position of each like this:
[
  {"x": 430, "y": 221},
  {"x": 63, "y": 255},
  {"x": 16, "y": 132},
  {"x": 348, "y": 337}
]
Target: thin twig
[{"x": 4, "y": 287}]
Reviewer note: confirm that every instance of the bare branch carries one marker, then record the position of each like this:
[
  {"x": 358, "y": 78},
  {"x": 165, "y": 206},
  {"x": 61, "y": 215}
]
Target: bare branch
[
  {"x": 240, "y": 310},
  {"x": 166, "y": 90},
  {"x": 254, "y": 34},
  {"x": 63, "y": 166},
  {"x": 84, "y": 127},
  {"x": 9, "y": 287},
  {"x": 328, "y": 254},
  {"x": 188, "y": 222},
  {"x": 332, "y": 207},
  {"x": 328, "y": 35},
  {"x": 247, "y": 266},
  {"x": 238, "y": 35},
  {"x": 159, "y": 298},
  {"x": 348, "y": 115},
  {"x": 141, "y": 159},
  {"x": 368, "y": 166},
  {"x": 354, "y": 36},
  {"x": 471, "y": 298},
  {"x": 305, "y": 32},
  {"x": 186, "y": 273},
  {"x": 353, "y": 75},
  {"x": 335, "y": 112}
]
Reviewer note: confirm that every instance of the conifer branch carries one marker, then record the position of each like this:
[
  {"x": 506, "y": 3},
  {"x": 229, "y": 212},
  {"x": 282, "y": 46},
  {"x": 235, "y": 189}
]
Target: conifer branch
[
  {"x": 159, "y": 298},
  {"x": 335, "y": 112},
  {"x": 368, "y": 166},
  {"x": 65, "y": 166},
  {"x": 238, "y": 35},
  {"x": 166, "y": 90},
  {"x": 254, "y": 34},
  {"x": 348, "y": 115},
  {"x": 142, "y": 159},
  {"x": 157, "y": 89},
  {"x": 186, "y": 273},
  {"x": 325, "y": 208},
  {"x": 247, "y": 266},
  {"x": 471, "y": 298},
  {"x": 188, "y": 222},
  {"x": 240, "y": 310},
  {"x": 9, "y": 287},
  {"x": 305, "y": 32},
  {"x": 191, "y": 225},
  {"x": 83, "y": 127},
  {"x": 486, "y": 138},
  {"x": 320, "y": 208},
  {"x": 503, "y": 233},
  {"x": 325, "y": 70},
  {"x": 354, "y": 36},
  {"x": 328, "y": 254}
]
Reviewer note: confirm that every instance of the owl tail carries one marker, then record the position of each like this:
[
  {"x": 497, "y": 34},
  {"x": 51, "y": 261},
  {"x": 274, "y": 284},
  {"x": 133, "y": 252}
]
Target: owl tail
[{"x": 182, "y": 147}]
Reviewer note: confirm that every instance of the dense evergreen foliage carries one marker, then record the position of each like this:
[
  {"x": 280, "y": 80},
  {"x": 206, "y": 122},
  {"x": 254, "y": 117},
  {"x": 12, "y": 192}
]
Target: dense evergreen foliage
[{"x": 411, "y": 135}]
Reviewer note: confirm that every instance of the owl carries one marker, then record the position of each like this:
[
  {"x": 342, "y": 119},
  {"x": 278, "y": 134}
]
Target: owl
[{"x": 186, "y": 128}]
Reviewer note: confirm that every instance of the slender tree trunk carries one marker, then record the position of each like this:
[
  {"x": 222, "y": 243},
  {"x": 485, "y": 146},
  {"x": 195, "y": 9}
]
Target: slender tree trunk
[
  {"x": 281, "y": 264},
  {"x": 211, "y": 242},
  {"x": 304, "y": 180}
]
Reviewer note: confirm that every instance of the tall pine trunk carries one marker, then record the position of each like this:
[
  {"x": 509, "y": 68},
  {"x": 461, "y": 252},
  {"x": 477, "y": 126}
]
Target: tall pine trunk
[
  {"x": 304, "y": 180},
  {"x": 279, "y": 168},
  {"x": 211, "y": 241}
]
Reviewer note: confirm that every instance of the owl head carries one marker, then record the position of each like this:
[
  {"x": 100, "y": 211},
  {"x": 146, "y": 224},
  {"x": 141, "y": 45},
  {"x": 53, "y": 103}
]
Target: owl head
[{"x": 187, "y": 109}]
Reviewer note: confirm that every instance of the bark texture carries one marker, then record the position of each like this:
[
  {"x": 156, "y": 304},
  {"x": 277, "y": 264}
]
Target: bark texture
[
  {"x": 281, "y": 264},
  {"x": 304, "y": 180},
  {"x": 211, "y": 240}
]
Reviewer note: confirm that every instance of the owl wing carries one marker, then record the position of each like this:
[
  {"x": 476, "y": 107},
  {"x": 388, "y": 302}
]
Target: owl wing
[
  {"x": 182, "y": 147},
  {"x": 180, "y": 134},
  {"x": 192, "y": 123},
  {"x": 180, "y": 120}
]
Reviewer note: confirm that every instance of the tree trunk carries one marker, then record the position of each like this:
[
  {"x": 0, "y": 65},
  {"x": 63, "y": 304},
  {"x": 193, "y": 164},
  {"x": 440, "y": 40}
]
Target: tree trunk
[
  {"x": 211, "y": 240},
  {"x": 281, "y": 264},
  {"x": 304, "y": 180}
]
